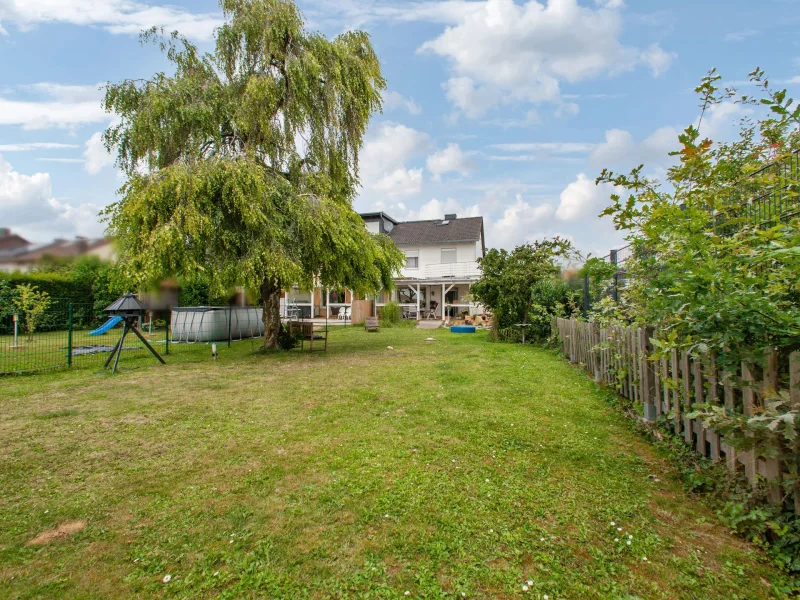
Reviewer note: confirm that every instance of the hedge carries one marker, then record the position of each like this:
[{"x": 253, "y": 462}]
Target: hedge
[{"x": 56, "y": 285}]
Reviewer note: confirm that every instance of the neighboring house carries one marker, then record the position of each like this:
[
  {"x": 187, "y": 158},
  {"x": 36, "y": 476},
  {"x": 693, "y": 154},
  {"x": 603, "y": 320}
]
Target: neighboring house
[
  {"x": 441, "y": 263},
  {"x": 11, "y": 246},
  {"x": 24, "y": 256}
]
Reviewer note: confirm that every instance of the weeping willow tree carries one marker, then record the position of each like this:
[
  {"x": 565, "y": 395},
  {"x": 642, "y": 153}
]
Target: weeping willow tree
[{"x": 242, "y": 165}]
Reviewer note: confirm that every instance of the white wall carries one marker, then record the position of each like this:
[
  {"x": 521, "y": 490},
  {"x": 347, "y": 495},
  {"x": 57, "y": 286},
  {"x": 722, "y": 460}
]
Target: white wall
[{"x": 432, "y": 255}]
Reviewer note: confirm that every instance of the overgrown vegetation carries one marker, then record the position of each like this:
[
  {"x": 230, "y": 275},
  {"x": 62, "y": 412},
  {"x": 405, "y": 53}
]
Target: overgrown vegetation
[
  {"x": 716, "y": 270},
  {"x": 390, "y": 314}
]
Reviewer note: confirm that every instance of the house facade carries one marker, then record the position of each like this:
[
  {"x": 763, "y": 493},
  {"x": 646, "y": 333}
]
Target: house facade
[{"x": 441, "y": 266}]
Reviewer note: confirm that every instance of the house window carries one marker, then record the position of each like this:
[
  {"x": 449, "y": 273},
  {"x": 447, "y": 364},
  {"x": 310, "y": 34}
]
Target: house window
[
  {"x": 412, "y": 259},
  {"x": 448, "y": 255},
  {"x": 451, "y": 297}
]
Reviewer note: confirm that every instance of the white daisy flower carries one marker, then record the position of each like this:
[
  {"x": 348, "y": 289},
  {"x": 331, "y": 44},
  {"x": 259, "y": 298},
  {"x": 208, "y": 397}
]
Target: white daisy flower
[{"x": 167, "y": 578}]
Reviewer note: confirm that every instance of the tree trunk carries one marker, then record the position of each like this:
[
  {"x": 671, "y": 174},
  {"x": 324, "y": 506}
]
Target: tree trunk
[{"x": 271, "y": 298}]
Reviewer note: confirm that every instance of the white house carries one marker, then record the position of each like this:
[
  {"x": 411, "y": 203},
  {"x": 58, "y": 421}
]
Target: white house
[{"x": 441, "y": 265}]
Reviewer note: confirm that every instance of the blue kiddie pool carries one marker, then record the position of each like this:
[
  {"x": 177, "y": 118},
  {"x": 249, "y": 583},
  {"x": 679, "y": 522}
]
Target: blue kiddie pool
[{"x": 462, "y": 329}]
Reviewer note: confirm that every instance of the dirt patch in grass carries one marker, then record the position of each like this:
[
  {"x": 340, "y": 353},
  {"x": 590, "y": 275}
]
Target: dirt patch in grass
[{"x": 62, "y": 531}]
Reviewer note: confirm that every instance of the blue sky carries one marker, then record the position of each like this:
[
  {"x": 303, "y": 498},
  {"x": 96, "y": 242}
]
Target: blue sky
[{"x": 507, "y": 110}]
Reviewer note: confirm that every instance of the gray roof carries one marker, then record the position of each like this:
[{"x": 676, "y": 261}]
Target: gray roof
[{"x": 418, "y": 233}]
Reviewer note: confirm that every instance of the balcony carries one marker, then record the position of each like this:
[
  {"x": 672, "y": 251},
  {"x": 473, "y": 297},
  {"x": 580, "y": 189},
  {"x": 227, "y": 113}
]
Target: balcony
[{"x": 457, "y": 270}]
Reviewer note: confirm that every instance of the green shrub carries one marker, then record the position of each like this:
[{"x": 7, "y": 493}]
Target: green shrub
[
  {"x": 286, "y": 339},
  {"x": 390, "y": 314}
]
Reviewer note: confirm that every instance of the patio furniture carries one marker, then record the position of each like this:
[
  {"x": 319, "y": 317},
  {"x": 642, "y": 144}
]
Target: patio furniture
[
  {"x": 308, "y": 331},
  {"x": 344, "y": 313},
  {"x": 431, "y": 314},
  {"x": 409, "y": 312},
  {"x": 371, "y": 324}
]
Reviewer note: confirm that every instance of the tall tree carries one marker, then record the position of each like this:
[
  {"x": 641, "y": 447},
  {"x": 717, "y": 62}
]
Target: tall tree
[{"x": 243, "y": 164}]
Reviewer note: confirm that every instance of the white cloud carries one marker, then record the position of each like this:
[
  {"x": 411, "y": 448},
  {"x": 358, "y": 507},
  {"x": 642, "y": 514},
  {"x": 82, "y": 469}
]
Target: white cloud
[
  {"x": 62, "y": 106},
  {"x": 395, "y": 100},
  {"x": 383, "y": 160},
  {"x": 583, "y": 199},
  {"x": 719, "y": 120},
  {"x": 567, "y": 109},
  {"x": 35, "y": 146},
  {"x": 657, "y": 59},
  {"x": 28, "y": 206},
  {"x": 470, "y": 98},
  {"x": 116, "y": 16},
  {"x": 96, "y": 156},
  {"x": 451, "y": 159},
  {"x": 436, "y": 209},
  {"x": 550, "y": 147},
  {"x": 740, "y": 36},
  {"x": 620, "y": 148},
  {"x": 517, "y": 221},
  {"x": 501, "y": 51}
]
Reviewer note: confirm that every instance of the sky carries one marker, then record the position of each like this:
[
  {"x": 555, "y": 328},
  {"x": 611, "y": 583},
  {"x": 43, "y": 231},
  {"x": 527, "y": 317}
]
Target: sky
[{"x": 507, "y": 110}]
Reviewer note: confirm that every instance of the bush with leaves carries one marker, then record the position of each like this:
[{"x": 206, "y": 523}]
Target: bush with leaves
[
  {"x": 32, "y": 305},
  {"x": 391, "y": 314},
  {"x": 524, "y": 284},
  {"x": 718, "y": 275}
]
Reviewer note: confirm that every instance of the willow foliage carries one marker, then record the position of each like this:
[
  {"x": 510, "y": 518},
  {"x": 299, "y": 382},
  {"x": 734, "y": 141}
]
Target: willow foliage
[{"x": 242, "y": 165}]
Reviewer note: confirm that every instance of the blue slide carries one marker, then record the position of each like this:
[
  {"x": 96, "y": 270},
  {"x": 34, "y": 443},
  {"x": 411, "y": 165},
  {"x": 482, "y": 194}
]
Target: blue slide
[{"x": 107, "y": 326}]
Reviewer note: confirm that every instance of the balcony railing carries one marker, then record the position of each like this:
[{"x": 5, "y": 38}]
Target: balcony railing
[{"x": 458, "y": 270}]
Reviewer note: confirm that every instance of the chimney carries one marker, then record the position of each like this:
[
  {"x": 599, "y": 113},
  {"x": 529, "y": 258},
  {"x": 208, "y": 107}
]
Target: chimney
[
  {"x": 450, "y": 217},
  {"x": 5, "y": 232}
]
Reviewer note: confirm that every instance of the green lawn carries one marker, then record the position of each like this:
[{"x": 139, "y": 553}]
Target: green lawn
[{"x": 458, "y": 468}]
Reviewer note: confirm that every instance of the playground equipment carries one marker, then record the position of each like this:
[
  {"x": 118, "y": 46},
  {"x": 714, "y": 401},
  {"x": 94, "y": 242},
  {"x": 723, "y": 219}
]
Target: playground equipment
[
  {"x": 107, "y": 326},
  {"x": 191, "y": 324},
  {"x": 129, "y": 310}
]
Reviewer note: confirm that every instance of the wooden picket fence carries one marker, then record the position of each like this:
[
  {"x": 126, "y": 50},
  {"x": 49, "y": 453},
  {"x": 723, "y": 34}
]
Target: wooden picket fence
[{"x": 668, "y": 387}]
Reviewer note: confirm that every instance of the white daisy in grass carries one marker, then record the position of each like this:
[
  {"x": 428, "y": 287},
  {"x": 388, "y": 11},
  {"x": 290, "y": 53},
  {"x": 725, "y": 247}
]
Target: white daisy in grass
[
  {"x": 530, "y": 582},
  {"x": 616, "y": 539},
  {"x": 628, "y": 542},
  {"x": 613, "y": 524},
  {"x": 167, "y": 578},
  {"x": 407, "y": 593},
  {"x": 524, "y": 588}
]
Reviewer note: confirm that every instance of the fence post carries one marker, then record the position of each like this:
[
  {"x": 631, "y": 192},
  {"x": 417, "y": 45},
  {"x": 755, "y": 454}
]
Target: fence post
[
  {"x": 614, "y": 293},
  {"x": 69, "y": 336},
  {"x": 648, "y": 376},
  {"x": 166, "y": 329}
]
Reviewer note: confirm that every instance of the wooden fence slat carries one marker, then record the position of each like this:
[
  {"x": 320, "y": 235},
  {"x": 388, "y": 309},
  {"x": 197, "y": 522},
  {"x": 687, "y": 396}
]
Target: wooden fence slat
[
  {"x": 769, "y": 387},
  {"x": 748, "y": 404},
  {"x": 687, "y": 400},
  {"x": 676, "y": 401},
  {"x": 621, "y": 356}
]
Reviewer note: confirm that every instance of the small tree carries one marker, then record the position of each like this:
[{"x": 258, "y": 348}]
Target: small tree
[
  {"x": 514, "y": 285},
  {"x": 32, "y": 303}
]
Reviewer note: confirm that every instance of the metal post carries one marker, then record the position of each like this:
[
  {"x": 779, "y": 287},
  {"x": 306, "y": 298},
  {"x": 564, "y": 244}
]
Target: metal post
[
  {"x": 69, "y": 336},
  {"x": 230, "y": 313},
  {"x": 166, "y": 341}
]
